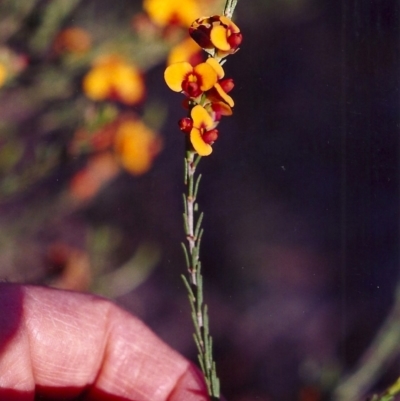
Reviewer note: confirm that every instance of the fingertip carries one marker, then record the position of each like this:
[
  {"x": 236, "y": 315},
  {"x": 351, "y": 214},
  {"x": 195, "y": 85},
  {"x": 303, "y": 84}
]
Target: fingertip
[{"x": 190, "y": 387}]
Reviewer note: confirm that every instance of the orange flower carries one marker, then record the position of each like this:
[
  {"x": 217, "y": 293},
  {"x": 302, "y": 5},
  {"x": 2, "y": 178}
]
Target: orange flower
[
  {"x": 193, "y": 81},
  {"x": 113, "y": 78},
  {"x": 217, "y": 33},
  {"x": 163, "y": 12},
  {"x": 3, "y": 74},
  {"x": 187, "y": 50},
  {"x": 11, "y": 64},
  {"x": 203, "y": 132},
  {"x": 73, "y": 40},
  {"x": 101, "y": 169},
  {"x": 136, "y": 146}
]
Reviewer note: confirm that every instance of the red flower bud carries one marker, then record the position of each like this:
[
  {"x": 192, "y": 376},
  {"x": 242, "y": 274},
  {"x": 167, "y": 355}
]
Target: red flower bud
[
  {"x": 227, "y": 84},
  {"x": 210, "y": 136},
  {"x": 235, "y": 39},
  {"x": 185, "y": 124}
]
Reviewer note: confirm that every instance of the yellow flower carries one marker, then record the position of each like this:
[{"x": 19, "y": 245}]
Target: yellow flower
[
  {"x": 217, "y": 33},
  {"x": 187, "y": 50},
  {"x": 136, "y": 146},
  {"x": 113, "y": 78},
  {"x": 203, "y": 133},
  {"x": 164, "y": 12},
  {"x": 193, "y": 81},
  {"x": 3, "y": 74}
]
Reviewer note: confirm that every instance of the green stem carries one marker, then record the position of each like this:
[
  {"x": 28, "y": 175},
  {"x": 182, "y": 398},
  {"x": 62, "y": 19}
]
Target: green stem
[
  {"x": 194, "y": 285},
  {"x": 383, "y": 349},
  {"x": 230, "y": 8}
]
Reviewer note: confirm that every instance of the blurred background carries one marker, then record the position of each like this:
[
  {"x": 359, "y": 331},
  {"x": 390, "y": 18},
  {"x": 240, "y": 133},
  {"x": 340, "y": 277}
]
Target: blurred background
[{"x": 301, "y": 194}]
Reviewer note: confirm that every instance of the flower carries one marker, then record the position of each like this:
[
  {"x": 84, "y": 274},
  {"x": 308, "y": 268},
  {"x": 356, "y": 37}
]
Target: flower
[
  {"x": 11, "y": 64},
  {"x": 219, "y": 91},
  {"x": 136, "y": 145},
  {"x": 3, "y": 74},
  {"x": 163, "y": 12},
  {"x": 73, "y": 40},
  {"x": 113, "y": 78},
  {"x": 100, "y": 169},
  {"x": 203, "y": 132},
  {"x": 193, "y": 81},
  {"x": 217, "y": 33},
  {"x": 187, "y": 50}
]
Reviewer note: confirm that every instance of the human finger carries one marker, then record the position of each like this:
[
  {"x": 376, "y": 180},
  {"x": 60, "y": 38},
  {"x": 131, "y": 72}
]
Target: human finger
[{"x": 66, "y": 345}]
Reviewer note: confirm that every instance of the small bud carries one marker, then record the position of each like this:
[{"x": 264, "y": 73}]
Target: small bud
[
  {"x": 227, "y": 84},
  {"x": 235, "y": 39},
  {"x": 185, "y": 124},
  {"x": 210, "y": 136}
]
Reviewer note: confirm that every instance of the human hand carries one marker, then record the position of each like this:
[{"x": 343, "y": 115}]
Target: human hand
[{"x": 59, "y": 345}]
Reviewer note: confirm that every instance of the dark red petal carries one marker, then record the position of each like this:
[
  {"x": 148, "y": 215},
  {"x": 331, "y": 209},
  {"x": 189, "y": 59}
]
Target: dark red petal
[
  {"x": 192, "y": 89},
  {"x": 201, "y": 35},
  {"x": 185, "y": 124},
  {"x": 227, "y": 84},
  {"x": 235, "y": 40},
  {"x": 210, "y": 136}
]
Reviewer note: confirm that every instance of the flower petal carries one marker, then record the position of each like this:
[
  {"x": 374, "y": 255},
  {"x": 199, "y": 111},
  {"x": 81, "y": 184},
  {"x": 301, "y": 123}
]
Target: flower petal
[
  {"x": 219, "y": 38},
  {"x": 202, "y": 148},
  {"x": 175, "y": 74},
  {"x": 96, "y": 83},
  {"x": 221, "y": 108},
  {"x": 224, "y": 96},
  {"x": 207, "y": 74},
  {"x": 201, "y": 118},
  {"x": 216, "y": 66},
  {"x": 128, "y": 84},
  {"x": 188, "y": 50}
]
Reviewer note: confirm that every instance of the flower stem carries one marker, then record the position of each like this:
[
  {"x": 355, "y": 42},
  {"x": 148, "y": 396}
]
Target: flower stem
[
  {"x": 230, "y": 8},
  {"x": 194, "y": 285}
]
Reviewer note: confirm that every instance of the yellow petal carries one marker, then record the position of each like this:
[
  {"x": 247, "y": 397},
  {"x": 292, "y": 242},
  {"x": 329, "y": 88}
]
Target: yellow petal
[
  {"x": 216, "y": 66},
  {"x": 163, "y": 12},
  {"x": 224, "y": 95},
  {"x": 183, "y": 51},
  {"x": 207, "y": 74},
  {"x": 175, "y": 74},
  {"x": 3, "y": 74},
  {"x": 96, "y": 84},
  {"x": 202, "y": 148},
  {"x": 128, "y": 83},
  {"x": 219, "y": 38},
  {"x": 136, "y": 146},
  {"x": 201, "y": 118},
  {"x": 222, "y": 108}
]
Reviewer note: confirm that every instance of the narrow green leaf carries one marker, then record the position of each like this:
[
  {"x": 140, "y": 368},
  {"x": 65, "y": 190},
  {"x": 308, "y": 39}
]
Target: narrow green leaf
[
  {"x": 189, "y": 289},
  {"x": 198, "y": 158},
  {"x": 196, "y": 187},
  {"x": 198, "y": 225},
  {"x": 186, "y": 224},
  {"x": 185, "y": 252},
  {"x": 185, "y": 204},
  {"x": 186, "y": 171}
]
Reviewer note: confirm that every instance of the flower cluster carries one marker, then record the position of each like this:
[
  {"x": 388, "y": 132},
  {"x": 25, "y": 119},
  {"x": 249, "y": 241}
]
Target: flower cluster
[
  {"x": 111, "y": 77},
  {"x": 204, "y": 84}
]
